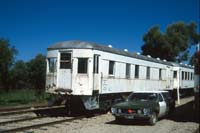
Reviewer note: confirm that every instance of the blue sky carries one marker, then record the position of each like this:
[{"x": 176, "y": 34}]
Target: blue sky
[{"x": 33, "y": 25}]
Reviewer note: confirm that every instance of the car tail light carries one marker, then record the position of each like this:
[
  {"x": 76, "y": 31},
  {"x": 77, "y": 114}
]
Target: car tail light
[{"x": 130, "y": 111}]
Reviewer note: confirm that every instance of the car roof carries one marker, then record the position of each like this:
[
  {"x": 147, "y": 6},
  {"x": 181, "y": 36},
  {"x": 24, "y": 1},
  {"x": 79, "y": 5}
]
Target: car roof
[{"x": 150, "y": 91}]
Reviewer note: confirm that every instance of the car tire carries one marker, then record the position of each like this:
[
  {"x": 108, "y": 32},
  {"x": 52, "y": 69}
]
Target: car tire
[{"x": 153, "y": 119}]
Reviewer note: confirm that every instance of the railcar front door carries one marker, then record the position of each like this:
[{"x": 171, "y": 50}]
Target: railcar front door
[
  {"x": 64, "y": 71},
  {"x": 82, "y": 76}
]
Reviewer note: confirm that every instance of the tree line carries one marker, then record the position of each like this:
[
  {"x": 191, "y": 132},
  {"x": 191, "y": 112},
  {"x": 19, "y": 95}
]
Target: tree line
[
  {"x": 172, "y": 45},
  {"x": 20, "y": 74}
]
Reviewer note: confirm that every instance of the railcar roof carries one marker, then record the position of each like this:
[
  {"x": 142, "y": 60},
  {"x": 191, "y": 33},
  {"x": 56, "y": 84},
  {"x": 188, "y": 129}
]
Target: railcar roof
[
  {"x": 181, "y": 65},
  {"x": 90, "y": 45}
]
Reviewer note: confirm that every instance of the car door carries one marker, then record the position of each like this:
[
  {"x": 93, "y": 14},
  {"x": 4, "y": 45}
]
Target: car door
[{"x": 162, "y": 105}]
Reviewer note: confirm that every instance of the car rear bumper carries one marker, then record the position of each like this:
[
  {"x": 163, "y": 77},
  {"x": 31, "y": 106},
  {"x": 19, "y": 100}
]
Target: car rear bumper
[{"x": 132, "y": 116}]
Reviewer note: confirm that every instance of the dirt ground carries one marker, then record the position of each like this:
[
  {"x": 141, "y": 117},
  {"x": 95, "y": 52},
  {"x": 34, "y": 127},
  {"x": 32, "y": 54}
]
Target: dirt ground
[{"x": 181, "y": 121}]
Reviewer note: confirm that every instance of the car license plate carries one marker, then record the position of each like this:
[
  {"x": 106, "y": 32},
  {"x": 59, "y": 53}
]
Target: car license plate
[{"x": 129, "y": 117}]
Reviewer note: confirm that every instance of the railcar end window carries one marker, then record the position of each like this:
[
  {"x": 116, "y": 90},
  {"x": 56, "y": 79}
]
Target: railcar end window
[
  {"x": 52, "y": 64},
  {"x": 82, "y": 65},
  {"x": 137, "y": 71},
  {"x": 65, "y": 61},
  {"x": 128, "y": 70},
  {"x": 148, "y": 73},
  {"x": 96, "y": 64},
  {"x": 111, "y": 67}
]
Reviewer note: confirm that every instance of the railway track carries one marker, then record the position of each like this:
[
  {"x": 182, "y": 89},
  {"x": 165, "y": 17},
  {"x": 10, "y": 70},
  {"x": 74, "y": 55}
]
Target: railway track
[
  {"x": 6, "y": 109},
  {"x": 34, "y": 126},
  {"x": 27, "y": 110},
  {"x": 40, "y": 125},
  {"x": 19, "y": 119}
]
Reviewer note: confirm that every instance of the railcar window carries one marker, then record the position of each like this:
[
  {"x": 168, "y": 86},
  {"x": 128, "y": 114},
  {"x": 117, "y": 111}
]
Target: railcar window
[
  {"x": 128, "y": 70},
  {"x": 160, "y": 74},
  {"x": 137, "y": 71},
  {"x": 191, "y": 76},
  {"x": 65, "y": 61},
  {"x": 188, "y": 75},
  {"x": 148, "y": 73},
  {"x": 82, "y": 65},
  {"x": 52, "y": 64},
  {"x": 96, "y": 64},
  {"x": 185, "y": 75},
  {"x": 182, "y": 75},
  {"x": 175, "y": 75},
  {"x": 111, "y": 67}
]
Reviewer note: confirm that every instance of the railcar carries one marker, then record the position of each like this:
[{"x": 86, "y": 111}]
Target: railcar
[
  {"x": 94, "y": 76},
  {"x": 183, "y": 78}
]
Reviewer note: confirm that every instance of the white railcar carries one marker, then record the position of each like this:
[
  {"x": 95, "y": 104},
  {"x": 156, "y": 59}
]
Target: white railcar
[
  {"x": 98, "y": 74},
  {"x": 183, "y": 76}
]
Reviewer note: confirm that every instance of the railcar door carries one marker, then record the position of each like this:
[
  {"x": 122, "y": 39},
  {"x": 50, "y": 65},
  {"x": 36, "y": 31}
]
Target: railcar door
[
  {"x": 82, "y": 76},
  {"x": 64, "y": 71}
]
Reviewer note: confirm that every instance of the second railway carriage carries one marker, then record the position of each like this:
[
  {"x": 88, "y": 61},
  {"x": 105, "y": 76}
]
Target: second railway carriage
[{"x": 97, "y": 75}]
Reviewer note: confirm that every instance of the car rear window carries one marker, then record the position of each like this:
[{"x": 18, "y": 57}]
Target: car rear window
[{"x": 142, "y": 96}]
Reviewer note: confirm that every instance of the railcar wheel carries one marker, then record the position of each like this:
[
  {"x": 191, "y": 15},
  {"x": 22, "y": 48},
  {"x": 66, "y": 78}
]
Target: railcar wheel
[{"x": 153, "y": 119}]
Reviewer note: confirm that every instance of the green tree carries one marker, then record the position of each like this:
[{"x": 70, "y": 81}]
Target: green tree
[
  {"x": 19, "y": 75},
  {"x": 7, "y": 56},
  {"x": 37, "y": 73},
  {"x": 172, "y": 45}
]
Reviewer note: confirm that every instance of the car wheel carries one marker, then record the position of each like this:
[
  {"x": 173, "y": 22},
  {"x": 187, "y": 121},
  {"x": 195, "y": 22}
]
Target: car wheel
[{"x": 153, "y": 119}]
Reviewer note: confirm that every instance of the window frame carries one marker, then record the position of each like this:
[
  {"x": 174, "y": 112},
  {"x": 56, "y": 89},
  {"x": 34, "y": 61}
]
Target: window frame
[
  {"x": 64, "y": 62},
  {"x": 182, "y": 75},
  {"x": 111, "y": 65},
  {"x": 148, "y": 72},
  {"x": 85, "y": 67},
  {"x": 54, "y": 59},
  {"x": 137, "y": 72},
  {"x": 175, "y": 74},
  {"x": 96, "y": 63},
  {"x": 128, "y": 70},
  {"x": 160, "y": 74}
]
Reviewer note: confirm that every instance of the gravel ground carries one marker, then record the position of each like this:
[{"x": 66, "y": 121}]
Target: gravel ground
[{"x": 181, "y": 121}]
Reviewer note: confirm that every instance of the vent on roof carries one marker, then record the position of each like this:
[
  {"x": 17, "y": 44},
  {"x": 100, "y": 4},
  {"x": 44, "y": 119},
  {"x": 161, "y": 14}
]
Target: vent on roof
[
  {"x": 110, "y": 46},
  {"x": 158, "y": 58},
  {"x": 149, "y": 56},
  {"x": 126, "y": 50},
  {"x": 181, "y": 63},
  {"x": 165, "y": 60},
  {"x": 138, "y": 53}
]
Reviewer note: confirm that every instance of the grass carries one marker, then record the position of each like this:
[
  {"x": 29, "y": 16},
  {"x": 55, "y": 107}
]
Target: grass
[{"x": 25, "y": 96}]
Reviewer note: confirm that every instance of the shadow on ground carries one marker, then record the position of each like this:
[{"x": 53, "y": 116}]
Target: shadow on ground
[
  {"x": 63, "y": 112},
  {"x": 185, "y": 113}
]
